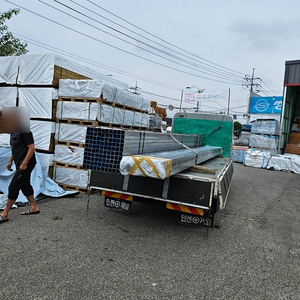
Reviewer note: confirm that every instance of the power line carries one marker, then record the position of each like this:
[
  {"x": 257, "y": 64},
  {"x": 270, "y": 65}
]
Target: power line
[
  {"x": 157, "y": 37},
  {"x": 194, "y": 35},
  {"x": 115, "y": 47},
  {"x": 91, "y": 62},
  {"x": 217, "y": 74}
]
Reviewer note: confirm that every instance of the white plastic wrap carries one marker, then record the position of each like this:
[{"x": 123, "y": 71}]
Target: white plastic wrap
[
  {"x": 286, "y": 162},
  {"x": 257, "y": 158},
  {"x": 158, "y": 166},
  {"x": 80, "y": 88},
  {"x": 42, "y": 131},
  {"x": 70, "y": 132},
  {"x": 8, "y": 96},
  {"x": 145, "y": 121},
  {"x": 69, "y": 154},
  {"x": 74, "y": 177},
  {"x": 129, "y": 117},
  {"x": 38, "y": 69},
  {"x": 46, "y": 160},
  {"x": 77, "y": 110},
  {"x": 38, "y": 100},
  {"x": 264, "y": 142},
  {"x": 123, "y": 97},
  {"x": 9, "y": 66},
  {"x": 105, "y": 113}
]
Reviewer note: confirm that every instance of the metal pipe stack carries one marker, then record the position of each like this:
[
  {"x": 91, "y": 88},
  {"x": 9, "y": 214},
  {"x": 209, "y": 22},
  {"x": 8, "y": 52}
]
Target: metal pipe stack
[{"x": 105, "y": 147}]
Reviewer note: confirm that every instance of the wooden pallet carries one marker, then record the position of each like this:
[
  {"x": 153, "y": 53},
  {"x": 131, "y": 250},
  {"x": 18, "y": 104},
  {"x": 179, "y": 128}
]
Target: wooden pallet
[
  {"x": 80, "y": 99},
  {"x": 97, "y": 123},
  {"x": 67, "y": 165},
  {"x": 69, "y": 143},
  {"x": 78, "y": 122},
  {"x": 75, "y": 188}
]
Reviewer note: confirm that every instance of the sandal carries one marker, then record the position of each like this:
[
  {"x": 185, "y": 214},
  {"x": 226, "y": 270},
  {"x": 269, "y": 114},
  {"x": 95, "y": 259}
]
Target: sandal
[
  {"x": 3, "y": 220},
  {"x": 28, "y": 212}
]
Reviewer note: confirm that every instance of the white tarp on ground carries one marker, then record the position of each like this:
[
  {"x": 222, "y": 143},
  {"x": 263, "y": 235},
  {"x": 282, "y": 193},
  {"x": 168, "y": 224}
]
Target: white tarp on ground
[
  {"x": 38, "y": 100},
  {"x": 8, "y": 96},
  {"x": 9, "y": 66},
  {"x": 4, "y": 139},
  {"x": 70, "y": 132},
  {"x": 38, "y": 69},
  {"x": 80, "y": 88},
  {"x": 288, "y": 163},
  {"x": 40, "y": 181},
  {"x": 42, "y": 131},
  {"x": 46, "y": 160},
  {"x": 257, "y": 158},
  {"x": 74, "y": 177},
  {"x": 69, "y": 154}
]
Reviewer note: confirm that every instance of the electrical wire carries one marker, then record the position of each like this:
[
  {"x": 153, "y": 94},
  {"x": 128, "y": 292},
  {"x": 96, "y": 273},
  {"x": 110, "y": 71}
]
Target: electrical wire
[
  {"x": 91, "y": 62},
  {"x": 217, "y": 74},
  {"x": 164, "y": 41},
  {"x": 115, "y": 47}
]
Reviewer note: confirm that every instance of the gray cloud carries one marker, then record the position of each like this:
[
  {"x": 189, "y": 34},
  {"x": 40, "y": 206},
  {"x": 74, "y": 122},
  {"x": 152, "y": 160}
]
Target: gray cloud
[{"x": 265, "y": 35}]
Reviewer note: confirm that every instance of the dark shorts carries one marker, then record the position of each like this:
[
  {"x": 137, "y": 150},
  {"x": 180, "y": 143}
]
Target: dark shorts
[{"x": 21, "y": 181}]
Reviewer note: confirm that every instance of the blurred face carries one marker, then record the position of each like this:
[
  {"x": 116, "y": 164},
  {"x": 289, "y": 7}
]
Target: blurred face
[{"x": 15, "y": 119}]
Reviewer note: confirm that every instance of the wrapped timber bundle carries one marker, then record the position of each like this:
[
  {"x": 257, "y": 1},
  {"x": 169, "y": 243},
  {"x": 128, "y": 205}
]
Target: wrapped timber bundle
[
  {"x": 155, "y": 122},
  {"x": 40, "y": 101},
  {"x": 270, "y": 127},
  {"x": 238, "y": 153},
  {"x": 162, "y": 165},
  {"x": 8, "y": 96}
]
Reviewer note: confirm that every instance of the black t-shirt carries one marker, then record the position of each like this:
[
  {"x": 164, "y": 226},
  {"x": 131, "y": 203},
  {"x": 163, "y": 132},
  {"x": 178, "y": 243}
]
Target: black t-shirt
[{"x": 19, "y": 149}]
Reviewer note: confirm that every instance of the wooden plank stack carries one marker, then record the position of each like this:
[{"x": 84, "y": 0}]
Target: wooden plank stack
[{"x": 293, "y": 146}]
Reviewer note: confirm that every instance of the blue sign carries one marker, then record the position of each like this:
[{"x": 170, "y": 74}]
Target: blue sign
[
  {"x": 234, "y": 117},
  {"x": 265, "y": 105}
]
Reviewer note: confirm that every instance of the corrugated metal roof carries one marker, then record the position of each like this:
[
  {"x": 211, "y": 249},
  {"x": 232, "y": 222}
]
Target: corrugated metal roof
[{"x": 292, "y": 72}]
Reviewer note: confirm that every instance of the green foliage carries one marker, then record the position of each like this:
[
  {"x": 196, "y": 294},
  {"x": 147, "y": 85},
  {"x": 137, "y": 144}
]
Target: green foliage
[
  {"x": 237, "y": 125},
  {"x": 9, "y": 45}
]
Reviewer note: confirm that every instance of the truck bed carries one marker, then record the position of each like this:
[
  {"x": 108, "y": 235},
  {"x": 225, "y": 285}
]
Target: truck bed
[{"x": 186, "y": 188}]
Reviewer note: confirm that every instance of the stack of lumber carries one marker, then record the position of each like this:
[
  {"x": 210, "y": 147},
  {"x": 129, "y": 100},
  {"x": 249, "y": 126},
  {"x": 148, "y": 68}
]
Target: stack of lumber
[
  {"x": 84, "y": 105},
  {"x": 293, "y": 146},
  {"x": 265, "y": 135}
]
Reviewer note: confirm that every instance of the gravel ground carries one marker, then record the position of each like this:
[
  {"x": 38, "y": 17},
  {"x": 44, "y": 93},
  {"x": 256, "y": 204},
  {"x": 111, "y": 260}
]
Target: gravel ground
[{"x": 69, "y": 252}]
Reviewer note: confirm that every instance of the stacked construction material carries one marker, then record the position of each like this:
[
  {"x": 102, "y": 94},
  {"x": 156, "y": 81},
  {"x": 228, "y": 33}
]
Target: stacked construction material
[
  {"x": 95, "y": 102},
  {"x": 162, "y": 165},
  {"x": 155, "y": 122},
  {"x": 286, "y": 162},
  {"x": 105, "y": 147},
  {"x": 293, "y": 146},
  {"x": 82, "y": 105},
  {"x": 265, "y": 135},
  {"x": 257, "y": 158},
  {"x": 238, "y": 153}
]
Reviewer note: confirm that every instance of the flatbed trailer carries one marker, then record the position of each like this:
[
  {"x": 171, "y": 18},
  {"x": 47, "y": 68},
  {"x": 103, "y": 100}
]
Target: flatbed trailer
[{"x": 196, "y": 196}]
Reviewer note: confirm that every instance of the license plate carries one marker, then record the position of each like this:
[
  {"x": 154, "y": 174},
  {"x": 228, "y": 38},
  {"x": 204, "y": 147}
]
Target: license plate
[
  {"x": 117, "y": 203},
  {"x": 188, "y": 219}
]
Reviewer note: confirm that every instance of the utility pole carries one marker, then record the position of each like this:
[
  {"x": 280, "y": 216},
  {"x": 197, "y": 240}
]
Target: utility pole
[
  {"x": 251, "y": 85},
  {"x": 228, "y": 109}
]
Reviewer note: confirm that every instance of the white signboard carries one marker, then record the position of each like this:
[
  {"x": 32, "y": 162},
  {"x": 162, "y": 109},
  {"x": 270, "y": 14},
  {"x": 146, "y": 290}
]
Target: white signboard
[{"x": 199, "y": 97}]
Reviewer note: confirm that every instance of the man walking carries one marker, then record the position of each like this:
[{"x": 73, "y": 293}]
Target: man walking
[{"x": 22, "y": 148}]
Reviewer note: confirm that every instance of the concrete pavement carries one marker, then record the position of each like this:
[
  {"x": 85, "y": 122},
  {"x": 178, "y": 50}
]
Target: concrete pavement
[{"x": 69, "y": 252}]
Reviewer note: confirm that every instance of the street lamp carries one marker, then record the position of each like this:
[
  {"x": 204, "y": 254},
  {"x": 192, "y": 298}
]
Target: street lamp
[{"x": 199, "y": 91}]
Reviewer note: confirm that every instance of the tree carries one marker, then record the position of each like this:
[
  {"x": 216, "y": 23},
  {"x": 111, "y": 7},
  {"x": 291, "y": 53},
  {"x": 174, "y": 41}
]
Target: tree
[
  {"x": 9, "y": 45},
  {"x": 237, "y": 125}
]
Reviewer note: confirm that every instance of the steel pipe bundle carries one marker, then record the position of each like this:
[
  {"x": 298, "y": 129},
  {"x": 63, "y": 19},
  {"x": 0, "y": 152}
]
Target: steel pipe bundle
[
  {"x": 162, "y": 165},
  {"x": 105, "y": 147}
]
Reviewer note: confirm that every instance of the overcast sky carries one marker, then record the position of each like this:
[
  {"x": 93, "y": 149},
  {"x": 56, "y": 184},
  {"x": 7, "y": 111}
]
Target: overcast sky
[{"x": 239, "y": 35}]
